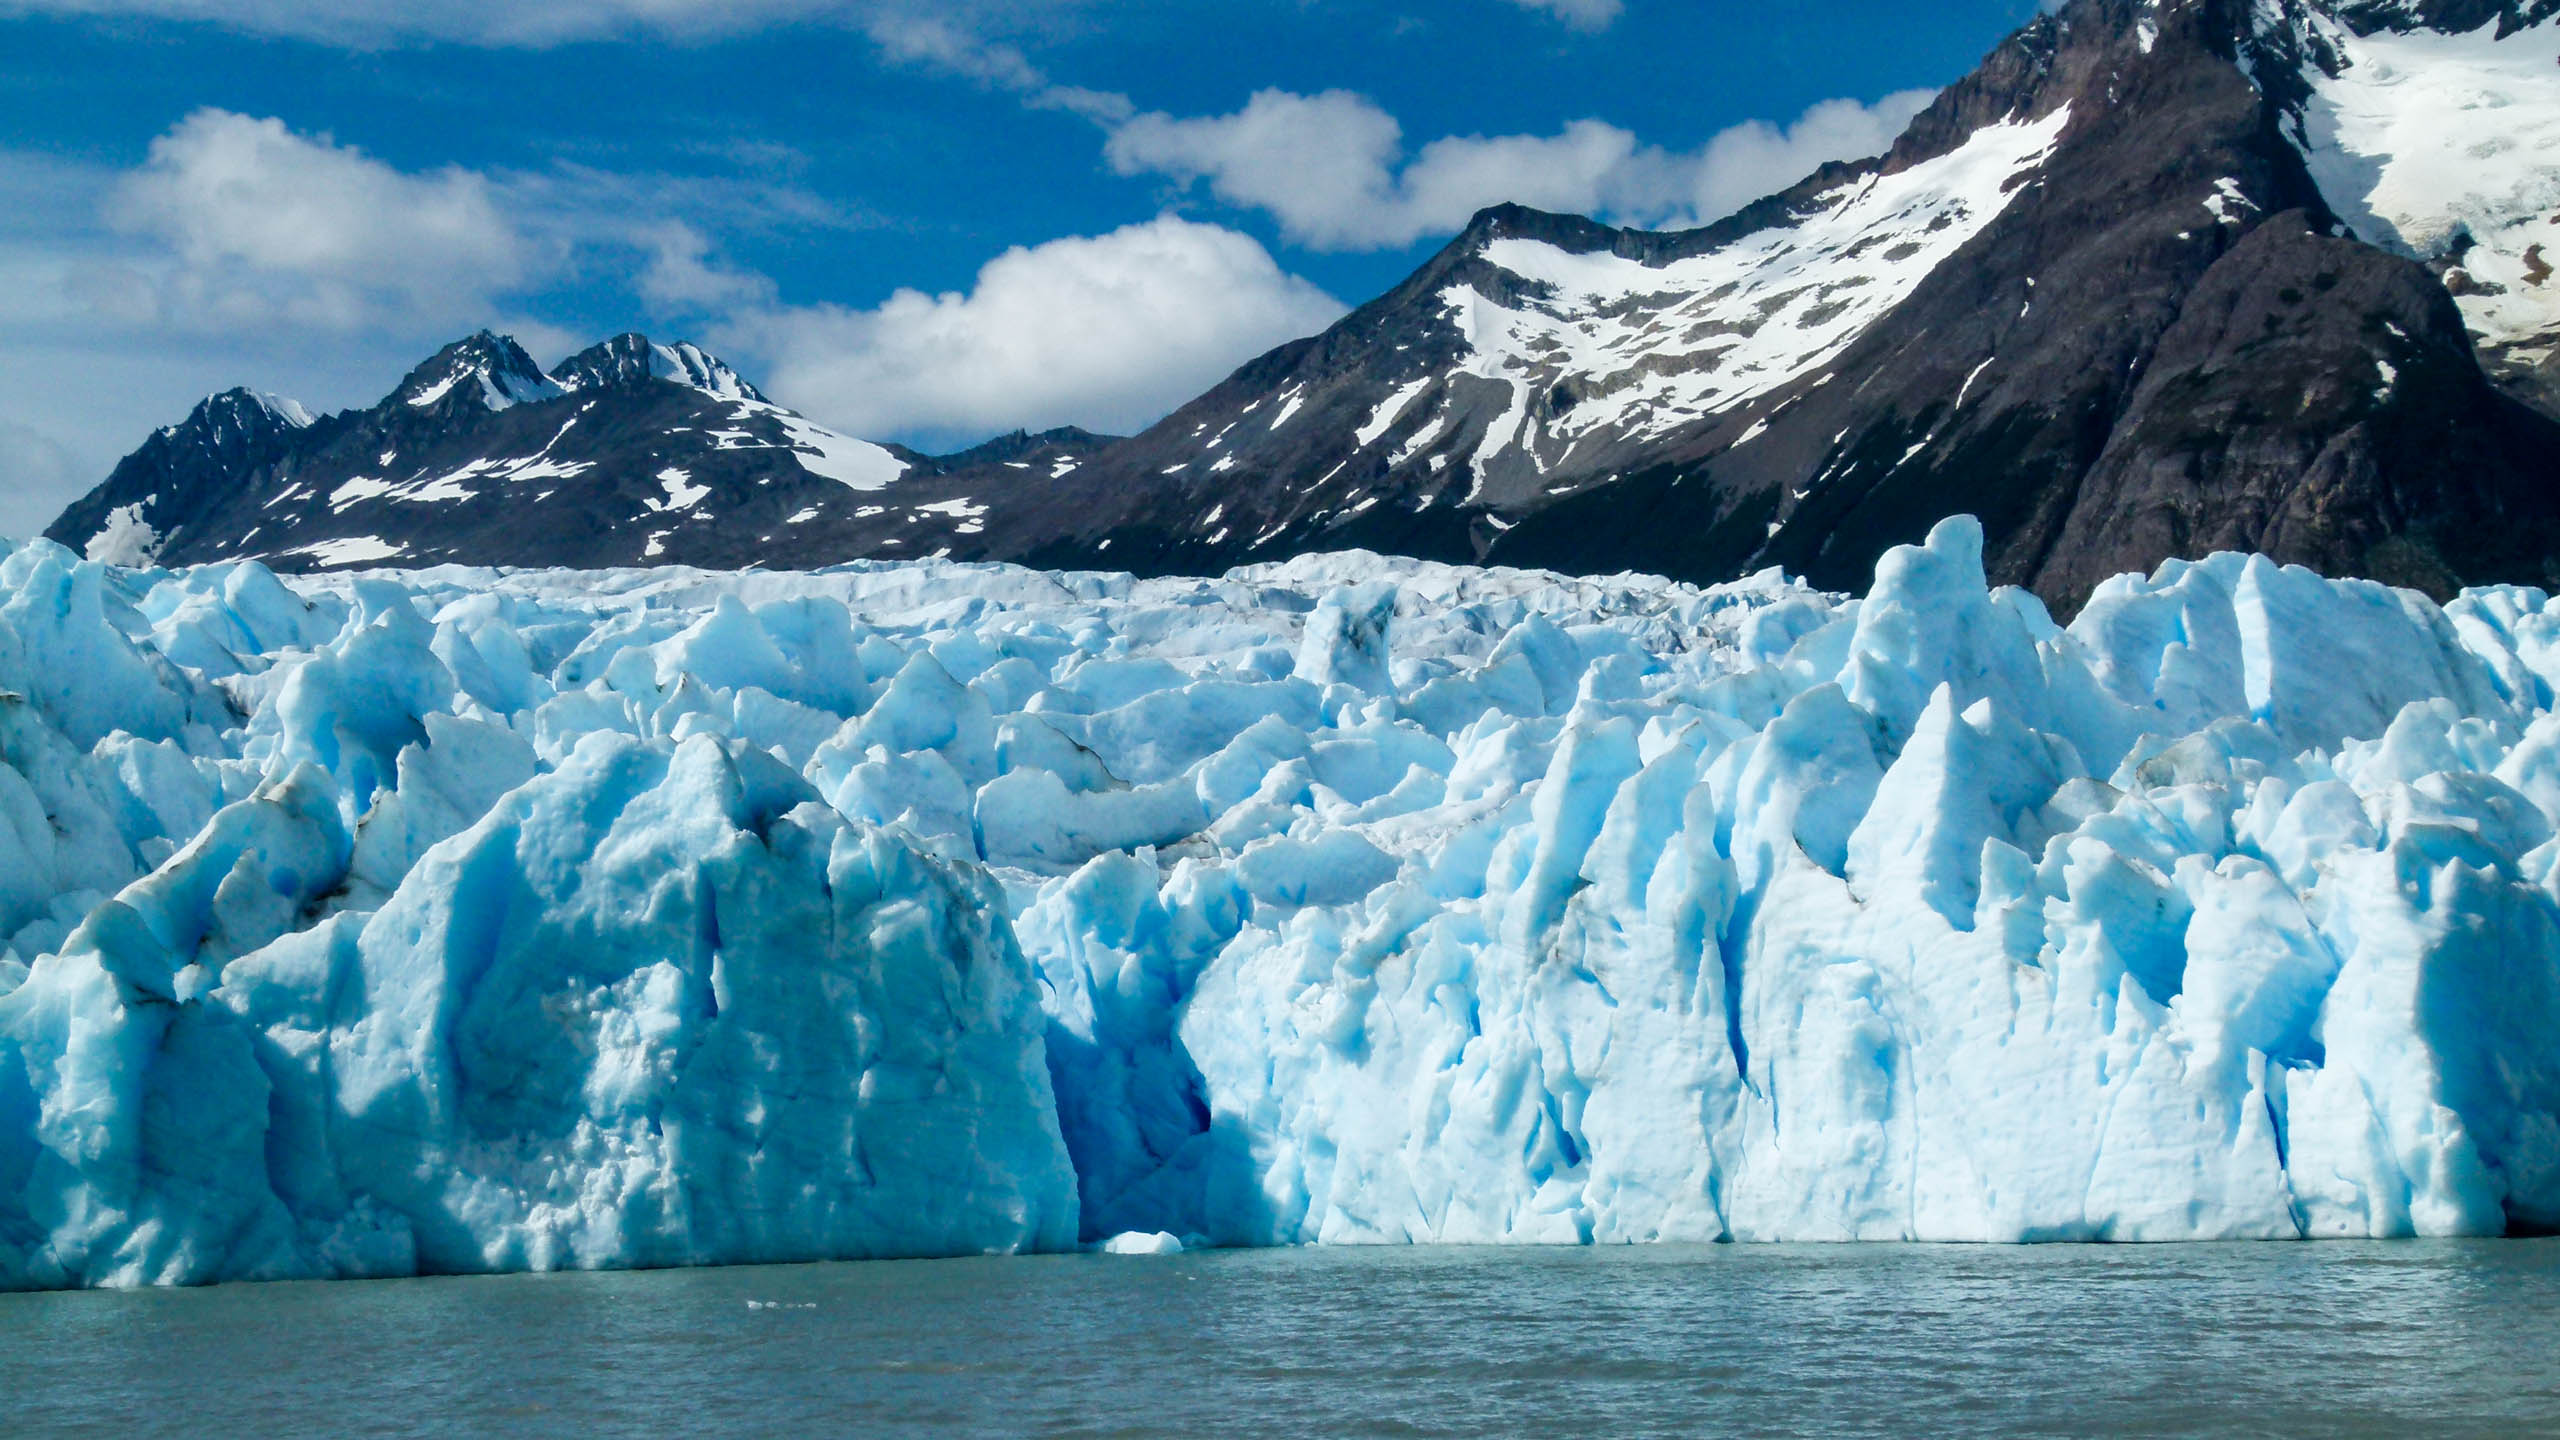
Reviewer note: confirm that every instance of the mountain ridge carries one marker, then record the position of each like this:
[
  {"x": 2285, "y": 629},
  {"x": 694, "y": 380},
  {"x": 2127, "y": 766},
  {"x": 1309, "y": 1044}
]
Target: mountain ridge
[
  {"x": 628, "y": 452},
  {"x": 2103, "y": 292},
  {"x": 2172, "y": 157}
]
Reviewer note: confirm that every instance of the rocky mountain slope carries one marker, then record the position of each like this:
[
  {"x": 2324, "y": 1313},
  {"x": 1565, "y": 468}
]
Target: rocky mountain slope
[
  {"x": 628, "y": 453},
  {"x": 2161, "y": 277}
]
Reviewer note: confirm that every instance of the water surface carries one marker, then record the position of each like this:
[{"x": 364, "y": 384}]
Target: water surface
[{"x": 2439, "y": 1339}]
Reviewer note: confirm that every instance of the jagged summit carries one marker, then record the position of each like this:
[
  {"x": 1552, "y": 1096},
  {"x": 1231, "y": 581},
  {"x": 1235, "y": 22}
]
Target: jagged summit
[
  {"x": 629, "y": 359},
  {"x": 1068, "y": 446},
  {"x": 281, "y": 407},
  {"x": 243, "y": 411},
  {"x": 489, "y": 369},
  {"x": 495, "y": 372},
  {"x": 629, "y": 452}
]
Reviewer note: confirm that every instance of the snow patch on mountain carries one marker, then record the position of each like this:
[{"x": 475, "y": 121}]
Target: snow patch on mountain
[
  {"x": 2446, "y": 147},
  {"x": 286, "y": 409},
  {"x": 854, "y": 464},
  {"x": 1654, "y": 347},
  {"x": 691, "y": 365},
  {"x": 1389, "y": 411},
  {"x": 351, "y": 551},
  {"x": 682, "y": 493}
]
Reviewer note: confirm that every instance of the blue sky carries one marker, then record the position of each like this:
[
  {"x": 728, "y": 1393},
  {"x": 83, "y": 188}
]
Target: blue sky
[{"x": 924, "y": 222}]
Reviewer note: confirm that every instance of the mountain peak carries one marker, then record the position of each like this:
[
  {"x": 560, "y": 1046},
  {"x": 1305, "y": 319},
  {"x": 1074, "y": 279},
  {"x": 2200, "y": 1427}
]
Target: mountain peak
[
  {"x": 246, "y": 409},
  {"x": 631, "y": 358},
  {"x": 505, "y": 375},
  {"x": 1017, "y": 449}
]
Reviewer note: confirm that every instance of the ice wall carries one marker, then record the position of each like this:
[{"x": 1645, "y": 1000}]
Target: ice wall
[{"x": 460, "y": 921}]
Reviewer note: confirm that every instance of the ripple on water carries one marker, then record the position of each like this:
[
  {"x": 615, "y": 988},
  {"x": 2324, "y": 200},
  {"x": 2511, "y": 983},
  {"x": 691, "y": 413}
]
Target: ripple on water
[{"x": 2346, "y": 1340}]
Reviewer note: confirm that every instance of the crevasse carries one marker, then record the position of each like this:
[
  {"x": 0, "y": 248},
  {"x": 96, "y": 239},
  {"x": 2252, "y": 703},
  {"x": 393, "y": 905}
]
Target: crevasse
[{"x": 464, "y": 921}]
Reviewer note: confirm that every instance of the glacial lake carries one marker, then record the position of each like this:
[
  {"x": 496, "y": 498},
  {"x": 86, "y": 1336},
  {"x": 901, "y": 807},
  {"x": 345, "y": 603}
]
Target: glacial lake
[{"x": 2299, "y": 1340}]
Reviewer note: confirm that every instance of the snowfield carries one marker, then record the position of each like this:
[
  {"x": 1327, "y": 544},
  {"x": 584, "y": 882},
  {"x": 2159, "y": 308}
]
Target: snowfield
[
  {"x": 1664, "y": 344},
  {"x": 2444, "y": 146},
  {"x": 464, "y": 921}
]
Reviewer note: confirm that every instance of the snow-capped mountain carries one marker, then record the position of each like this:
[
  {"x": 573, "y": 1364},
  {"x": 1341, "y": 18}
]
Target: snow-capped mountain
[
  {"x": 2161, "y": 277},
  {"x": 628, "y": 453},
  {"x": 176, "y": 480}
]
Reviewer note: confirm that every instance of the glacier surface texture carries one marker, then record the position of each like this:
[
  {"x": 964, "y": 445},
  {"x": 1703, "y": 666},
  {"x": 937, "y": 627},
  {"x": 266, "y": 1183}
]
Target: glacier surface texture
[{"x": 455, "y": 921}]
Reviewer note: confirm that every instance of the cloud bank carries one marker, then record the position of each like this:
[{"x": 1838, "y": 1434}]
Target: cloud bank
[
  {"x": 244, "y": 250},
  {"x": 264, "y": 225},
  {"x": 1333, "y": 171},
  {"x": 240, "y": 234},
  {"x": 922, "y": 25},
  {"x": 1108, "y": 332}
]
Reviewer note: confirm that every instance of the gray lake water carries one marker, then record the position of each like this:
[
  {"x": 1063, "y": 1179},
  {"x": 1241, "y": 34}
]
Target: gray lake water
[{"x": 2434, "y": 1339}]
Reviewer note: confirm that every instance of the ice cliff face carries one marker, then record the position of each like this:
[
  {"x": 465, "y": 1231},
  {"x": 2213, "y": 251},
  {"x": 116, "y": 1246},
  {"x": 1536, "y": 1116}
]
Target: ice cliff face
[
  {"x": 388, "y": 985},
  {"x": 458, "y": 920}
]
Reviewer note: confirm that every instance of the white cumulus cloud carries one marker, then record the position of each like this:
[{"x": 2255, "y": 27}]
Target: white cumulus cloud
[
  {"x": 1334, "y": 171},
  {"x": 1756, "y": 158},
  {"x": 1108, "y": 332},
  {"x": 1321, "y": 164},
  {"x": 264, "y": 223},
  {"x": 237, "y": 224},
  {"x": 244, "y": 251}
]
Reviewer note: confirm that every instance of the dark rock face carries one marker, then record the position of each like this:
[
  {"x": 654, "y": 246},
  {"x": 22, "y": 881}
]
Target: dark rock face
[
  {"x": 2357, "y": 438},
  {"x": 2291, "y": 48},
  {"x": 1021, "y": 450},
  {"x": 183, "y": 476},
  {"x": 2095, "y": 295}
]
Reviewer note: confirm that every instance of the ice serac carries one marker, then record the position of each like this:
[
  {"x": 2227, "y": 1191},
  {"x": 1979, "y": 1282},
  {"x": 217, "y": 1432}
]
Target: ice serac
[
  {"x": 470, "y": 921},
  {"x": 655, "y": 1005},
  {"x": 663, "y": 1007}
]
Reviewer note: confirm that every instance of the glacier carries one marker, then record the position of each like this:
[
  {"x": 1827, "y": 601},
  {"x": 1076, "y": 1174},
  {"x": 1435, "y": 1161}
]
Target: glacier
[{"x": 457, "y": 921}]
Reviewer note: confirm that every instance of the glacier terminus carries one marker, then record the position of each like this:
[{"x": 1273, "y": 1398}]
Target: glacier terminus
[{"x": 457, "y": 921}]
